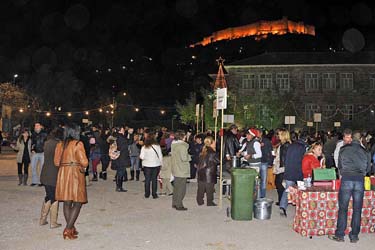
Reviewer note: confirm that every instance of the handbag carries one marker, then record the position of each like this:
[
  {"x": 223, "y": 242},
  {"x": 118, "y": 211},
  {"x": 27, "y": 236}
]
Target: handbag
[{"x": 324, "y": 174}]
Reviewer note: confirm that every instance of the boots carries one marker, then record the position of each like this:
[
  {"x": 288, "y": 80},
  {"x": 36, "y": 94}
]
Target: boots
[
  {"x": 44, "y": 212},
  {"x": 88, "y": 183},
  {"x": 119, "y": 185},
  {"x": 137, "y": 175},
  {"x": 20, "y": 178},
  {"x": 95, "y": 178},
  {"x": 53, "y": 215},
  {"x": 25, "y": 176},
  {"x": 103, "y": 175},
  {"x": 132, "y": 175}
]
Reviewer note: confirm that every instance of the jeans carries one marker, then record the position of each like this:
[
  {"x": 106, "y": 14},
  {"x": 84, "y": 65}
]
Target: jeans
[
  {"x": 354, "y": 189},
  {"x": 279, "y": 186},
  {"x": 50, "y": 193},
  {"x": 134, "y": 163},
  {"x": 151, "y": 176},
  {"x": 284, "y": 197},
  {"x": 35, "y": 158},
  {"x": 263, "y": 179}
]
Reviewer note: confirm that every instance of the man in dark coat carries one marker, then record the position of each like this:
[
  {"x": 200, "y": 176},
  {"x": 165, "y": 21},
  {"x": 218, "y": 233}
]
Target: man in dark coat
[
  {"x": 231, "y": 145},
  {"x": 293, "y": 167},
  {"x": 354, "y": 164},
  {"x": 266, "y": 161}
]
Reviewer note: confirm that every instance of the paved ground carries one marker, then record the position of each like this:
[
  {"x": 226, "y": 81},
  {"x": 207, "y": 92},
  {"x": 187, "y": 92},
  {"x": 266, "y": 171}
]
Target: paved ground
[{"x": 128, "y": 221}]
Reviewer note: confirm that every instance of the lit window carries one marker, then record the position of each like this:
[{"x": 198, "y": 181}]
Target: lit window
[
  {"x": 346, "y": 80},
  {"x": 282, "y": 81},
  {"x": 311, "y": 82},
  {"x": 329, "y": 81}
]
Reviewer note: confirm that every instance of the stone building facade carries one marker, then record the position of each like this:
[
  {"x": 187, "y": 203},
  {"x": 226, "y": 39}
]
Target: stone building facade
[{"x": 338, "y": 85}]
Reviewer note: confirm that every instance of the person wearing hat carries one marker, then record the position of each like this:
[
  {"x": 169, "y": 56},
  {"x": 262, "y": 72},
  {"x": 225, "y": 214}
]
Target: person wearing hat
[{"x": 253, "y": 153}]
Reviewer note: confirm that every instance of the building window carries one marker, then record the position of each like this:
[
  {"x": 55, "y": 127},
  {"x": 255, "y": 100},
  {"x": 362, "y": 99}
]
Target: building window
[
  {"x": 346, "y": 80},
  {"x": 347, "y": 111},
  {"x": 282, "y": 81},
  {"x": 372, "y": 81},
  {"x": 328, "y": 110},
  {"x": 329, "y": 81},
  {"x": 263, "y": 111},
  {"x": 311, "y": 81},
  {"x": 248, "y": 81},
  {"x": 310, "y": 109},
  {"x": 265, "y": 81}
]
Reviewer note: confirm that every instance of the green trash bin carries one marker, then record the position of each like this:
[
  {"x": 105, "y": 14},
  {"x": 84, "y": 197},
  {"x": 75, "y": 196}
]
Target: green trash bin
[{"x": 242, "y": 195}]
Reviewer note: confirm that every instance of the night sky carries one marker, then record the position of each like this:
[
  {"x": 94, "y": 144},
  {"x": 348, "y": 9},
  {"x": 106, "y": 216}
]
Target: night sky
[{"x": 77, "y": 54}]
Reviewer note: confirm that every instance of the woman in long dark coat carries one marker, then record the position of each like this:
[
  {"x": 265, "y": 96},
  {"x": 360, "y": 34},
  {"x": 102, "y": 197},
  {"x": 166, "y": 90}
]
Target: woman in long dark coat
[
  {"x": 123, "y": 161},
  {"x": 207, "y": 168},
  {"x": 48, "y": 178}
]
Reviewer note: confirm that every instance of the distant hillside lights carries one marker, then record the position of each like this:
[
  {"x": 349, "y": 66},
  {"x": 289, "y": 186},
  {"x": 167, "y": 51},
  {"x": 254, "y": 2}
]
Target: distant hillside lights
[{"x": 259, "y": 30}]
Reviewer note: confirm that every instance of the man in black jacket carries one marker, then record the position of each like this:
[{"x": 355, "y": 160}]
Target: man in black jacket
[
  {"x": 293, "y": 167},
  {"x": 232, "y": 145},
  {"x": 38, "y": 138},
  {"x": 354, "y": 163}
]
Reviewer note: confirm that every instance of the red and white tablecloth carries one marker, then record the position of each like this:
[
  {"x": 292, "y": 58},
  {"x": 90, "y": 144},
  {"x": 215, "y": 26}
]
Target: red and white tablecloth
[{"x": 317, "y": 211}]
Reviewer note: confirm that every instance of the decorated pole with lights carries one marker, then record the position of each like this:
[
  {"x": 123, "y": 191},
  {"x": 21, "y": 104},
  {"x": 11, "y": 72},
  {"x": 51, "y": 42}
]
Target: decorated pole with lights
[{"x": 221, "y": 104}]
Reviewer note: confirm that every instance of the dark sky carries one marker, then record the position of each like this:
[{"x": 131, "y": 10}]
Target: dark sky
[{"x": 80, "y": 49}]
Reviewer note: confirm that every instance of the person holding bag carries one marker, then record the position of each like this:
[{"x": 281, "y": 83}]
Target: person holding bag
[{"x": 70, "y": 158}]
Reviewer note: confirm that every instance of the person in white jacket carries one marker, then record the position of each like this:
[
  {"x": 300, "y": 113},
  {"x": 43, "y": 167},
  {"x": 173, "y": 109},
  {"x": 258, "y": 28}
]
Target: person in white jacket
[{"x": 152, "y": 159}]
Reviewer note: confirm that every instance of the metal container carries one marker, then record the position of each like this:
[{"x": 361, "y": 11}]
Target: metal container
[
  {"x": 263, "y": 209},
  {"x": 235, "y": 162}
]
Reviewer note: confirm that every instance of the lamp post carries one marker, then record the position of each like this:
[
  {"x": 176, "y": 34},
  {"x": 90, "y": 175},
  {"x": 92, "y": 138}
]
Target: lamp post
[{"x": 14, "y": 78}]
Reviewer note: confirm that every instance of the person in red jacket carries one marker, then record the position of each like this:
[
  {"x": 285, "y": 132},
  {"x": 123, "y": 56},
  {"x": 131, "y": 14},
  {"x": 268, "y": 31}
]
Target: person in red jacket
[{"x": 310, "y": 160}]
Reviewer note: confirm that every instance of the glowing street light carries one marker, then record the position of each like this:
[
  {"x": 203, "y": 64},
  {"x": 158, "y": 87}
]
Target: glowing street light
[
  {"x": 100, "y": 110},
  {"x": 162, "y": 112},
  {"x": 124, "y": 94},
  {"x": 69, "y": 114},
  {"x": 21, "y": 110},
  {"x": 112, "y": 106},
  {"x": 48, "y": 114},
  {"x": 87, "y": 113},
  {"x": 136, "y": 109}
]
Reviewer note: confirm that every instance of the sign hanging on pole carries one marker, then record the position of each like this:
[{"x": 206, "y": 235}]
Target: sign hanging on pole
[
  {"x": 290, "y": 120},
  {"x": 310, "y": 124},
  {"x": 197, "y": 110},
  {"x": 337, "y": 124},
  {"x": 228, "y": 119},
  {"x": 317, "y": 117},
  {"x": 221, "y": 98}
]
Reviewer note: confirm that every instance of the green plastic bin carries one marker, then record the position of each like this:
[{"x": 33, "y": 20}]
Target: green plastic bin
[{"x": 242, "y": 196}]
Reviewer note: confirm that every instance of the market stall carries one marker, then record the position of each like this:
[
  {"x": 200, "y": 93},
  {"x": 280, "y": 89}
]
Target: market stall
[{"x": 317, "y": 210}]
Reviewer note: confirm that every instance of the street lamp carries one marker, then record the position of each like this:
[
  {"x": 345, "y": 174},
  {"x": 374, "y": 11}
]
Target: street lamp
[{"x": 14, "y": 78}]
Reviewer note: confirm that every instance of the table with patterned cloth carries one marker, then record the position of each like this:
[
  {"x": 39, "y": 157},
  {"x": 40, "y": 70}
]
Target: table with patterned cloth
[{"x": 317, "y": 211}]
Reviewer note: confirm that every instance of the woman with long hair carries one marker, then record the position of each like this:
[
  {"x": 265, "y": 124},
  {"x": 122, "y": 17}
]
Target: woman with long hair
[
  {"x": 207, "y": 166},
  {"x": 70, "y": 158},
  {"x": 279, "y": 162},
  {"x": 152, "y": 159},
  {"x": 23, "y": 156},
  {"x": 48, "y": 178},
  {"x": 311, "y": 160}
]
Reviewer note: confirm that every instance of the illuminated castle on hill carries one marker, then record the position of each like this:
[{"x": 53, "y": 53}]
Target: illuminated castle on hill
[{"x": 259, "y": 30}]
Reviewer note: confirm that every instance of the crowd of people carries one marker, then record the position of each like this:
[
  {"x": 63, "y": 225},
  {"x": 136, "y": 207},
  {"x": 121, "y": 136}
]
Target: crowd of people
[{"x": 68, "y": 155}]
